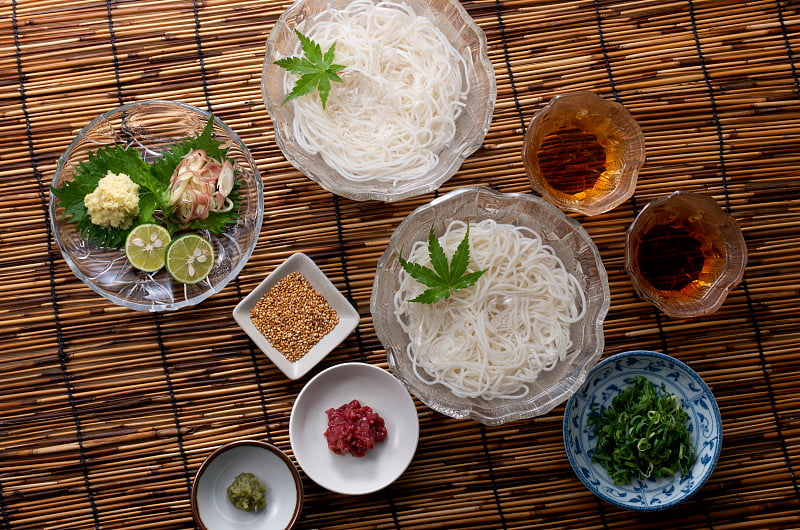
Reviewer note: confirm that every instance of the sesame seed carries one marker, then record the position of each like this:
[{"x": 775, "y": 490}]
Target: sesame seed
[{"x": 293, "y": 316}]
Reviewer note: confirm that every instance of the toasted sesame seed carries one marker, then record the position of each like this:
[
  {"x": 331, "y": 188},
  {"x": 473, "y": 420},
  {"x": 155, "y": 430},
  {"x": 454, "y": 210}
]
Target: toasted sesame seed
[{"x": 293, "y": 316}]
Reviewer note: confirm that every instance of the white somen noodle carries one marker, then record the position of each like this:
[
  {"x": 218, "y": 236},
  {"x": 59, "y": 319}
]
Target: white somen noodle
[
  {"x": 404, "y": 87},
  {"x": 493, "y": 339}
]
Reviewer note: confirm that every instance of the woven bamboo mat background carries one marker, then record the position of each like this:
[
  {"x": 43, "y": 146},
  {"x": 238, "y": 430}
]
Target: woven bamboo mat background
[{"x": 106, "y": 413}]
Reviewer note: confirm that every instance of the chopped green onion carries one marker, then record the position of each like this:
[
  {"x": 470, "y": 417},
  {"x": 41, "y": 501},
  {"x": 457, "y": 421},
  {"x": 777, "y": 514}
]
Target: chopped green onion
[{"x": 642, "y": 434}]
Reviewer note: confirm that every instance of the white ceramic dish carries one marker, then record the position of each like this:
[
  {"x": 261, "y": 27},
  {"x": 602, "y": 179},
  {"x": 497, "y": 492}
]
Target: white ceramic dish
[
  {"x": 210, "y": 505},
  {"x": 604, "y": 382},
  {"x": 373, "y": 387},
  {"x": 348, "y": 316}
]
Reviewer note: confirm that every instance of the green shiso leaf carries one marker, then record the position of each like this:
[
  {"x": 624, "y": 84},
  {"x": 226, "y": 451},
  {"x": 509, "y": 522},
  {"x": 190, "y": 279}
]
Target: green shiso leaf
[
  {"x": 153, "y": 180},
  {"x": 88, "y": 173},
  {"x": 642, "y": 434}
]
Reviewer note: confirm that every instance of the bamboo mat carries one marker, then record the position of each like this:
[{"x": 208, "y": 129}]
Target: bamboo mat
[{"x": 106, "y": 413}]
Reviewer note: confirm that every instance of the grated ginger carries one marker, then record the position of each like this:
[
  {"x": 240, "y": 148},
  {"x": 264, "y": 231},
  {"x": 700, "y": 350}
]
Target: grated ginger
[{"x": 115, "y": 201}]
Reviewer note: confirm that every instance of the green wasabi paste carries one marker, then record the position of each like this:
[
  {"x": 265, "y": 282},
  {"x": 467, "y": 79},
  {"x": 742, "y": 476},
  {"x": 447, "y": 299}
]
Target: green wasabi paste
[{"x": 247, "y": 493}]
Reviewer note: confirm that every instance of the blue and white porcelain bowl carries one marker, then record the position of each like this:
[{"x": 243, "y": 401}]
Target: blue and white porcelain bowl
[{"x": 605, "y": 381}]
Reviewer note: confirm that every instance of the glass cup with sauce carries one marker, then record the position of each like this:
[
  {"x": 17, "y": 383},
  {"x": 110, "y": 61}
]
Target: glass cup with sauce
[
  {"x": 684, "y": 254},
  {"x": 583, "y": 153}
]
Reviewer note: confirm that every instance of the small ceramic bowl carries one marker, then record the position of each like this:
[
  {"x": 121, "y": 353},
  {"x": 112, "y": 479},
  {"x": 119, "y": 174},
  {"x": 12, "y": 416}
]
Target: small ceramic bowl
[
  {"x": 583, "y": 153},
  {"x": 684, "y": 254},
  {"x": 348, "y": 316},
  {"x": 210, "y": 505},
  {"x": 385, "y": 395},
  {"x": 605, "y": 381}
]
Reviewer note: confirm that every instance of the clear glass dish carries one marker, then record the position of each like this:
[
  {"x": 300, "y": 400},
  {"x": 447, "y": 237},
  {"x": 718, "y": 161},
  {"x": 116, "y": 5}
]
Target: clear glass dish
[
  {"x": 471, "y": 126},
  {"x": 684, "y": 254},
  {"x": 571, "y": 244},
  {"x": 152, "y": 126},
  {"x": 583, "y": 153}
]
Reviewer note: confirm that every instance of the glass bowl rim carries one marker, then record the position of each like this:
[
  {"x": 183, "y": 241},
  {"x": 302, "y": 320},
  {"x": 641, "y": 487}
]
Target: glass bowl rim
[
  {"x": 594, "y": 327},
  {"x": 54, "y": 218}
]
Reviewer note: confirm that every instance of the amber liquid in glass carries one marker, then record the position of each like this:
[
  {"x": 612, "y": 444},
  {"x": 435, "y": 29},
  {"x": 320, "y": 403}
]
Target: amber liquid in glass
[
  {"x": 571, "y": 160},
  {"x": 670, "y": 257}
]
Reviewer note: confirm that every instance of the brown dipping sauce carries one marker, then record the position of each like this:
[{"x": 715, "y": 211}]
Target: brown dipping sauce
[{"x": 670, "y": 257}]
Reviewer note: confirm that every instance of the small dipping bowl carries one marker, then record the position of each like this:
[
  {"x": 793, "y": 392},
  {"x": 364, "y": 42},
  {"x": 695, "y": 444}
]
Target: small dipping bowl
[
  {"x": 684, "y": 254},
  {"x": 210, "y": 505},
  {"x": 348, "y": 316},
  {"x": 583, "y": 153}
]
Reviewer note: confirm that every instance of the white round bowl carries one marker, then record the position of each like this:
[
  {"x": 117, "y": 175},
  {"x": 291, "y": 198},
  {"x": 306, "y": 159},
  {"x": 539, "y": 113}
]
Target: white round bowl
[
  {"x": 210, "y": 505},
  {"x": 373, "y": 387}
]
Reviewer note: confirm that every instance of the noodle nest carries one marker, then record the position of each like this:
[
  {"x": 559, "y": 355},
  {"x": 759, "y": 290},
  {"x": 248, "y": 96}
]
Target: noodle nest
[
  {"x": 493, "y": 339},
  {"x": 404, "y": 88}
]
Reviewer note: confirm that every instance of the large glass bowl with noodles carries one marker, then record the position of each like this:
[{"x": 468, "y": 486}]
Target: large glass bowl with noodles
[
  {"x": 150, "y": 127},
  {"x": 514, "y": 301},
  {"x": 392, "y": 129}
]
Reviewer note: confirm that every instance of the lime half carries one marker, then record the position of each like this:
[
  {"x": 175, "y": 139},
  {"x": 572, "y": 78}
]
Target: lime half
[
  {"x": 146, "y": 245},
  {"x": 190, "y": 258}
]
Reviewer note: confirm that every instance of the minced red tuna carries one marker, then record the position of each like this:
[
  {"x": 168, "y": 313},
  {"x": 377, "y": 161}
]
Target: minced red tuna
[{"x": 354, "y": 429}]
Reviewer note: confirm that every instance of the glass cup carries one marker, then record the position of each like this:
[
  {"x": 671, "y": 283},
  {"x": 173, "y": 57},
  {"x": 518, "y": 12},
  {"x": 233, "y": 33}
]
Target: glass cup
[
  {"x": 684, "y": 254},
  {"x": 583, "y": 153}
]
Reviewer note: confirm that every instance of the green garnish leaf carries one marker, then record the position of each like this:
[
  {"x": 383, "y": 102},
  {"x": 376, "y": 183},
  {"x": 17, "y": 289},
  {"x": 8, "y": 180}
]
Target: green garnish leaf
[
  {"x": 316, "y": 70},
  {"x": 165, "y": 165},
  {"x": 88, "y": 173},
  {"x": 153, "y": 180},
  {"x": 445, "y": 277},
  {"x": 642, "y": 434}
]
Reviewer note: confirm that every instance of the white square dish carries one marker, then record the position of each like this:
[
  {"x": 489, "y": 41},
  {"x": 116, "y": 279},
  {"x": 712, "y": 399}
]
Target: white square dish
[{"x": 348, "y": 316}]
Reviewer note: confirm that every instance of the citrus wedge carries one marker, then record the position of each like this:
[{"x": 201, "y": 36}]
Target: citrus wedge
[
  {"x": 146, "y": 245},
  {"x": 189, "y": 258}
]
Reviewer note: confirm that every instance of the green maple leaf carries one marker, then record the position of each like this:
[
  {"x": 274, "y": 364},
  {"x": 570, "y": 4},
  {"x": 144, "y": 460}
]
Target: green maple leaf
[
  {"x": 316, "y": 70},
  {"x": 445, "y": 277}
]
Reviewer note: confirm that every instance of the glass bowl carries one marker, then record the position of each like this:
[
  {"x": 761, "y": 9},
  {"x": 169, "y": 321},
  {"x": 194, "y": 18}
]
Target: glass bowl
[
  {"x": 151, "y": 126},
  {"x": 684, "y": 254},
  {"x": 468, "y": 40},
  {"x": 583, "y": 153},
  {"x": 570, "y": 243}
]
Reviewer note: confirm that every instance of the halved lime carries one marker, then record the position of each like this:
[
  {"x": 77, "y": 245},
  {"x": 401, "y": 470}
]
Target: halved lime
[
  {"x": 146, "y": 246},
  {"x": 190, "y": 258}
]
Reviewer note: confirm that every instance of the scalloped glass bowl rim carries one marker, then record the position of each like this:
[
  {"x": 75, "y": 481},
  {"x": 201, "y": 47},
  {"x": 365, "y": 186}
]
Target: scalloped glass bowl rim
[
  {"x": 307, "y": 164},
  {"x": 235, "y": 270},
  {"x": 509, "y": 411}
]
